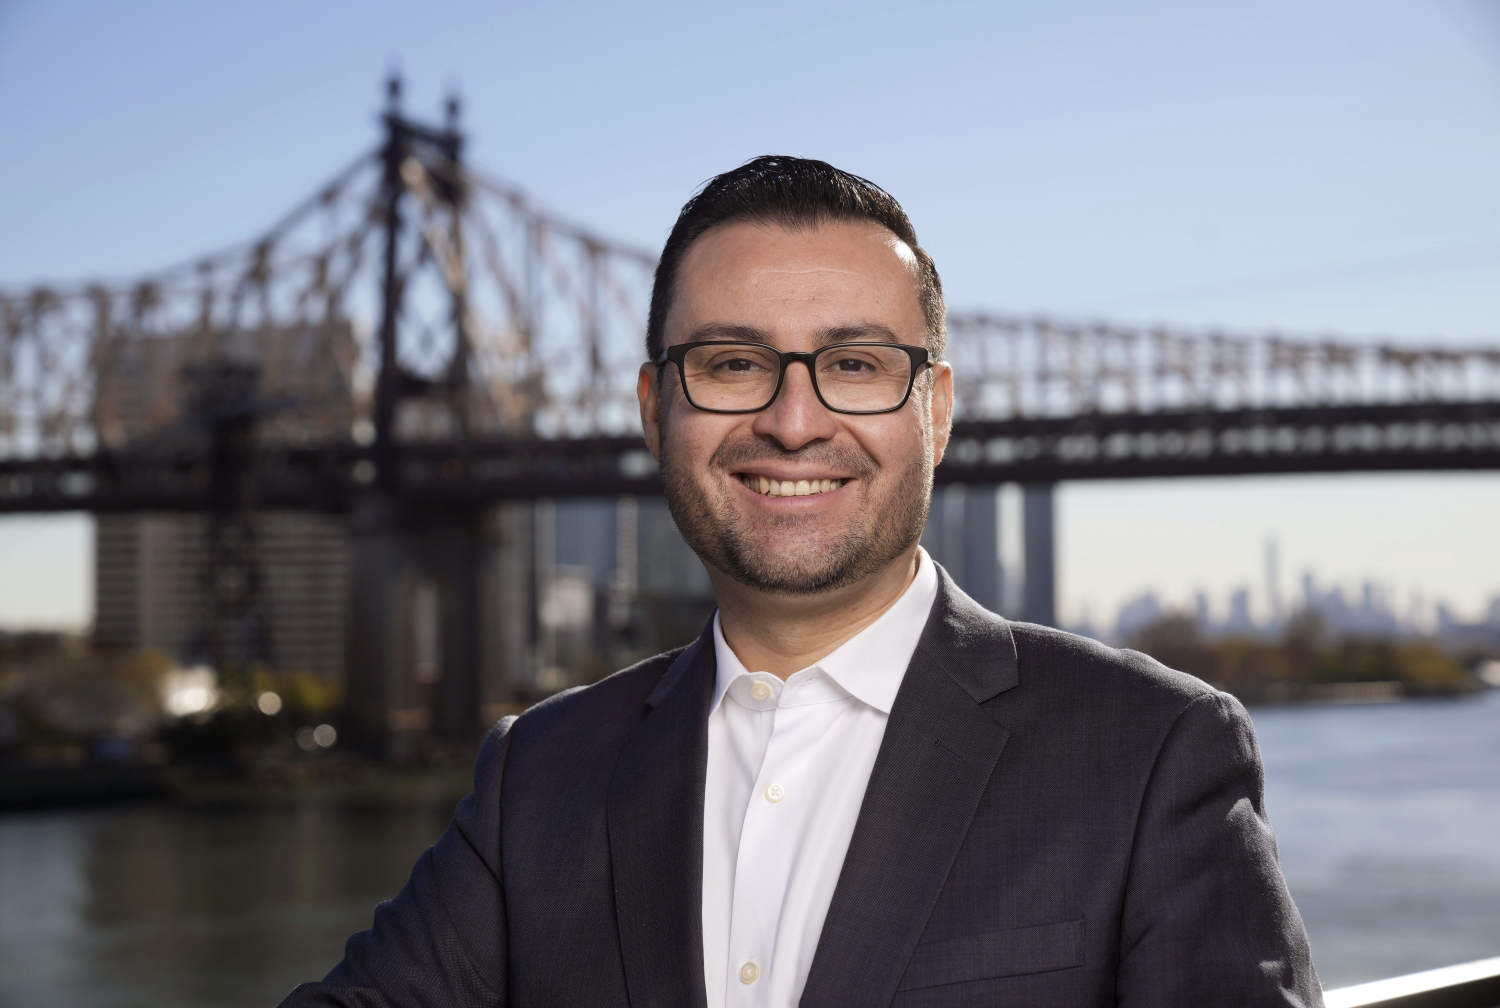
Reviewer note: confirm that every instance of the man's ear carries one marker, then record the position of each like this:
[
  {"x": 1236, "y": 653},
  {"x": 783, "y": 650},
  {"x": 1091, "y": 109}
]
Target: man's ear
[
  {"x": 941, "y": 405},
  {"x": 648, "y": 391}
]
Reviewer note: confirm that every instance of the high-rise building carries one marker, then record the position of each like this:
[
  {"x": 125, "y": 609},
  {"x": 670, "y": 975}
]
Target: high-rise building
[
  {"x": 150, "y": 574},
  {"x": 153, "y": 576}
]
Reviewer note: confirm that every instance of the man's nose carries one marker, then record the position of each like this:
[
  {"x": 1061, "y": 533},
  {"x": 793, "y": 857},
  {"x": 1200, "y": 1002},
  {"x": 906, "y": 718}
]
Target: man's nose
[{"x": 797, "y": 417}]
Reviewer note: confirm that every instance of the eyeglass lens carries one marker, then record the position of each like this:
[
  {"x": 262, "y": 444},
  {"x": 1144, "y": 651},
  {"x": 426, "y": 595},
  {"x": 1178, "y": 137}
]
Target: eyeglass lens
[{"x": 856, "y": 377}]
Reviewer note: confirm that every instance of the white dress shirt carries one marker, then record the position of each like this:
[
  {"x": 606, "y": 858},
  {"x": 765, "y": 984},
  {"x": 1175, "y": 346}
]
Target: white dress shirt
[{"x": 788, "y": 763}]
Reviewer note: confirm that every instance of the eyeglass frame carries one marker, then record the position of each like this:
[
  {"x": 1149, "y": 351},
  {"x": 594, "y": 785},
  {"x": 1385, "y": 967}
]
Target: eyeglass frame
[{"x": 919, "y": 356}]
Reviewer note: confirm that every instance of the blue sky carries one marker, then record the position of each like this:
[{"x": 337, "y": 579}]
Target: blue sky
[{"x": 1317, "y": 168}]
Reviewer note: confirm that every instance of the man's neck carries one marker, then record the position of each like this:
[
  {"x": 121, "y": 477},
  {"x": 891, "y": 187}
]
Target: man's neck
[{"x": 783, "y": 634}]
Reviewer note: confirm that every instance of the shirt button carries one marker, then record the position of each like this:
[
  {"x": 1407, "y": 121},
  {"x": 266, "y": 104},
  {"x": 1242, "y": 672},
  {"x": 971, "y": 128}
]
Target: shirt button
[
  {"x": 760, "y": 691},
  {"x": 775, "y": 792},
  {"x": 749, "y": 973}
]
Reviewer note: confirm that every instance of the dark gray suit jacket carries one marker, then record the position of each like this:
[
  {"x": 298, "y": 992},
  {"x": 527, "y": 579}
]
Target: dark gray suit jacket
[{"x": 1050, "y": 822}]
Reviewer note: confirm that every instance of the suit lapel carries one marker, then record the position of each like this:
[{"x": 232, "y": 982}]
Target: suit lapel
[
  {"x": 655, "y": 813},
  {"x": 939, "y": 752}
]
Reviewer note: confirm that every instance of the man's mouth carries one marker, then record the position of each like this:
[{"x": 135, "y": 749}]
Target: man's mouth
[{"x": 789, "y": 488}]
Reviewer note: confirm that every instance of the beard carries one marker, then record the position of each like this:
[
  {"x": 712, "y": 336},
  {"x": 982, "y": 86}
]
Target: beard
[{"x": 798, "y": 554}]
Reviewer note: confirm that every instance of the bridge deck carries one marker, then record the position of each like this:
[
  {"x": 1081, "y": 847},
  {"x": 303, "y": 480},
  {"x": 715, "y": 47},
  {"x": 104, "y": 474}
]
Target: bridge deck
[{"x": 1417, "y": 436}]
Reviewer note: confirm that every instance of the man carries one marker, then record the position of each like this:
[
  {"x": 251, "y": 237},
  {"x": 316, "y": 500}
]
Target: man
[{"x": 857, "y": 787}]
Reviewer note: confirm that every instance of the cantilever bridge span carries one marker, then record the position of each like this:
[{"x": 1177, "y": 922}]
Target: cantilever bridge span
[
  {"x": 1038, "y": 402},
  {"x": 420, "y": 328},
  {"x": 511, "y": 376}
]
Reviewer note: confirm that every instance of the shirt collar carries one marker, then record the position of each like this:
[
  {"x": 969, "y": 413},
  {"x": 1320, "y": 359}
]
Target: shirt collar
[{"x": 871, "y": 664}]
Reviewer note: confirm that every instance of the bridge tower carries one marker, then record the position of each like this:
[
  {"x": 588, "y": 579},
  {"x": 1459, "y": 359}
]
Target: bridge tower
[{"x": 414, "y": 654}]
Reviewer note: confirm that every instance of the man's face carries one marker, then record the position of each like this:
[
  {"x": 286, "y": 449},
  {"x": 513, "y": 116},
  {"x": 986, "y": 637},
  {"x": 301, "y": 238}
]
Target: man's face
[{"x": 797, "y": 289}]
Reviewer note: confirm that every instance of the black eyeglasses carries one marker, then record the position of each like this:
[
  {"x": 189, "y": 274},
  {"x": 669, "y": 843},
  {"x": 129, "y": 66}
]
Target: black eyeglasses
[{"x": 743, "y": 377}]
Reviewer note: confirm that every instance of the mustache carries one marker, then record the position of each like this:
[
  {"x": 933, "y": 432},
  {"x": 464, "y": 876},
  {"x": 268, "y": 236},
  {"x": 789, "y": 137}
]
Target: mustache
[{"x": 741, "y": 452}]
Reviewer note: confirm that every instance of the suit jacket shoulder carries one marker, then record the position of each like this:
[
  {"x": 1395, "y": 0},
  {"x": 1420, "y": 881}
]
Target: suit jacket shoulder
[
  {"x": 1056, "y": 659},
  {"x": 620, "y": 694},
  {"x": 581, "y": 729}
]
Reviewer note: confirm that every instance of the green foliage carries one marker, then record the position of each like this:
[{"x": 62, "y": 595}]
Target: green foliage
[
  {"x": 1304, "y": 663},
  {"x": 308, "y": 694},
  {"x": 57, "y": 693},
  {"x": 1427, "y": 669}
]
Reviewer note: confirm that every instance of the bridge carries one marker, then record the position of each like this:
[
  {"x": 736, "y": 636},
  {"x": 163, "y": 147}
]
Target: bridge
[{"x": 418, "y": 341}]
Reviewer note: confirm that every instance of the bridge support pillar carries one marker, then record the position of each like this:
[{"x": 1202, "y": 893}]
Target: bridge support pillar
[
  {"x": 1041, "y": 553},
  {"x": 963, "y": 534},
  {"x": 983, "y": 576},
  {"x": 507, "y": 606},
  {"x": 418, "y": 655},
  {"x": 376, "y": 563}
]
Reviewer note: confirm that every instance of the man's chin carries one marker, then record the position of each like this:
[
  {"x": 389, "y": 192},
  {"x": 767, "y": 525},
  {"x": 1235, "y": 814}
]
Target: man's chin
[
  {"x": 795, "y": 581},
  {"x": 797, "y": 565}
]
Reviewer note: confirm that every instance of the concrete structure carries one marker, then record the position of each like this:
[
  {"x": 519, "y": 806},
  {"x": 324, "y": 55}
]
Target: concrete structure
[
  {"x": 480, "y": 614},
  {"x": 963, "y": 534},
  {"x": 1041, "y": 554}
]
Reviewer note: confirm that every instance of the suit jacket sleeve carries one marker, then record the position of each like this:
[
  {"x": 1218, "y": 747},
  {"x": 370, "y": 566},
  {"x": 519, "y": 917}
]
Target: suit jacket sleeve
[
  {"x": 1207, "y": 917},
  {"x": 442, "y": 940}
]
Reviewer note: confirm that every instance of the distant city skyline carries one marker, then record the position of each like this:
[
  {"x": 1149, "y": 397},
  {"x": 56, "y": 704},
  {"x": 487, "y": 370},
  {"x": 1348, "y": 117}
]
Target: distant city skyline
[
  {"x": 1210, "y": 536},
  {"x": 1368, "y": 609}
]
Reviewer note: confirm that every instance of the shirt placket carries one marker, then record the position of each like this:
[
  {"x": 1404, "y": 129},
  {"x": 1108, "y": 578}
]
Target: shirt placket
[{"x": 763, "y": 867}]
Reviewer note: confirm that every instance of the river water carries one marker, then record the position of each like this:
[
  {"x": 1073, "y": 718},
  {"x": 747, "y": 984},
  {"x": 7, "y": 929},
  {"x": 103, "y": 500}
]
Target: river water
[
  {"x": 1388, "y": 818},
  {"x": 1388, "y": 821}
]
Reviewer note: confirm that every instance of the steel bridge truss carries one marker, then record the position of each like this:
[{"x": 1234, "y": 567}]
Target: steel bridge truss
[
  {"x": 509, "y": 322},
  {"x": 422, "y": 326},
  {"x": 1043, "y": 416}
]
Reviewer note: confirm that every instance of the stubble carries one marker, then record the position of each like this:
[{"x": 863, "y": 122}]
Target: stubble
[{"x": 798, "y": 554}]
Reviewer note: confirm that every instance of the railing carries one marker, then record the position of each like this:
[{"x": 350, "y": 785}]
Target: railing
[{"x": 1467, "y": 985}]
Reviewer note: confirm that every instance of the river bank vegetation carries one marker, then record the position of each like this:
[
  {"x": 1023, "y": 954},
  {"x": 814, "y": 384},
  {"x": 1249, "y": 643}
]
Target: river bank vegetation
[{"x": 1305, "y": 664}]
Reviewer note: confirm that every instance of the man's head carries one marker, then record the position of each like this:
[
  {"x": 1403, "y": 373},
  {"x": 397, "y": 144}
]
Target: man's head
[
  {"x": 797, "y": 498},
  {"x": 797, "y": 193}
]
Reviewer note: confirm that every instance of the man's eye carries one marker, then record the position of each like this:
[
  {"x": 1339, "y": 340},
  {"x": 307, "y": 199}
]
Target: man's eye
[
  {"x": 739, "y": 364},
  {"x": 852, "y": 365}
]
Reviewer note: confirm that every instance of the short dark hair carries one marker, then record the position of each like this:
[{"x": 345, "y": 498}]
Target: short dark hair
[{"x": 773, "y": 189}]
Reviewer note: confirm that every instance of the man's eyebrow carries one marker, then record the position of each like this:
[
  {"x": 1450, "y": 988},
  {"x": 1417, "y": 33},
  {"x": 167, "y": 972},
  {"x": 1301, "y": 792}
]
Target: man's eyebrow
[
  {"x": 867, "y": 332},
  {"x": 724, "y": 331}
]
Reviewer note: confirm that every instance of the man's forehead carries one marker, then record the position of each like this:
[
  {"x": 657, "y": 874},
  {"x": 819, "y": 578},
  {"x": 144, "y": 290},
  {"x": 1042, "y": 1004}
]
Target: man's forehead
[
  {"x": 840, "y": 277},
  {"x": 800, "y": 247}
]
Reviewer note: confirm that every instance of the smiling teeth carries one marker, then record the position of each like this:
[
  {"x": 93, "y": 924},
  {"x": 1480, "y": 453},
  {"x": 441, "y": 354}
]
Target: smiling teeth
[{"x": 789, "y": 488}]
